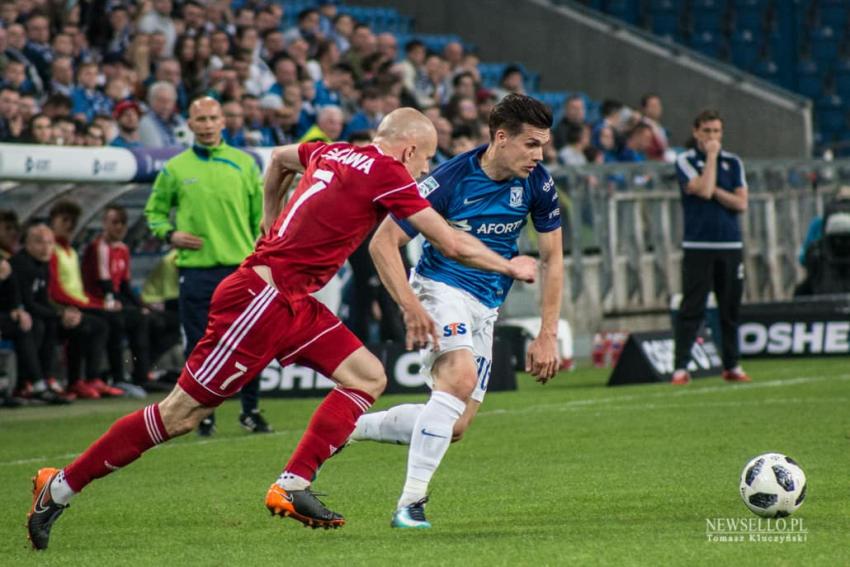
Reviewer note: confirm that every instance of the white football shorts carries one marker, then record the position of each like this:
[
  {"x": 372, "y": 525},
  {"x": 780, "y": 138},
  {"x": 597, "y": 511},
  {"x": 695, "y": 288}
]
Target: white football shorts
[{"x": 462, "y": 322}]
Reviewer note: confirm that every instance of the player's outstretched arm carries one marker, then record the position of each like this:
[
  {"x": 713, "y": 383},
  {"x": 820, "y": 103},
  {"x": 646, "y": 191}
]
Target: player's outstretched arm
[
  {"x": 468, "y": 250},
  {"x": 383, "y": 248},
  {"x": 542, "y": 359},
  {"x": 279, "y": 177}
]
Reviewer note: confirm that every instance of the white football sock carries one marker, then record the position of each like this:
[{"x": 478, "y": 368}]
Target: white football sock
[
  {"x": 60, "y": 492},
  {"x": 289, "y": 481},
  {"x": 394, "y": 425},
  {"x": 432, "y": 435}
]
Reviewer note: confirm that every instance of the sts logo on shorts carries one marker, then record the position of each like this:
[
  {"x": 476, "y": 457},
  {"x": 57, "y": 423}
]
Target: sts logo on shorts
[{"x": 453, "y": 329}]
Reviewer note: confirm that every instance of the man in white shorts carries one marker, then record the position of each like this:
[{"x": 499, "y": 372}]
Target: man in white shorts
[{"x": 489, "y": 192}]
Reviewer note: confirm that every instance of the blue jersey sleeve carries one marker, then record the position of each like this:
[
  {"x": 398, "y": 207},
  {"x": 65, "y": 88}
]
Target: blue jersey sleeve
[
  {"x": 436, "y": 188},
  {"x": 685, "y": 171},
  {"x": 740, "y": 176},
  {"x": 545, "y": 207}
]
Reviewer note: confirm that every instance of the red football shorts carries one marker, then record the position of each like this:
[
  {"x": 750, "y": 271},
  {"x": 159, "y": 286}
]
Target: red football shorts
[{"x": 250, "y": 323}]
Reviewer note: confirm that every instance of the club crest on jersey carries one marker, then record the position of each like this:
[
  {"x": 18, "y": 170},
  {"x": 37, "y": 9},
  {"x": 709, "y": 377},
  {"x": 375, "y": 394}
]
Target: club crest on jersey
[
  {"x": 516, "y": 197},
  {"x": 428, "y": 186},
  {"x": 453, "y": 329}
]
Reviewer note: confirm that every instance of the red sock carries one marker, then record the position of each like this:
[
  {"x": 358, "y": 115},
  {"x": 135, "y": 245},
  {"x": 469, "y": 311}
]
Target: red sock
[
  {"x": 331, "y": 425},
  {"x": 125, "y": 442}
]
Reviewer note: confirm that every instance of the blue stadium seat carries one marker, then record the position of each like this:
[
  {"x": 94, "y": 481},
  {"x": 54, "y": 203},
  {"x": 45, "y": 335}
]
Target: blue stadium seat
[
  {"x": 824, "y": 44},
  {"x": 767, "y": 69},
  {"x": 665, "y": 24},
  {"x": 832, "y": 13},
  {"x": 831, "y": 114},
  {"x": 809, "y": 80},
  {"x": 707, "y": 16},
  {"x": 842, "y": 78},
  {"x": 744, "y": 47},
  {"x": 626, "y": 10},
  {"x": 708, "y": 43}
]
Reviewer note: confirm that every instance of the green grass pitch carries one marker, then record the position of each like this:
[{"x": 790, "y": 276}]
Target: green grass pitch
[{"x": 572, "y": 473}]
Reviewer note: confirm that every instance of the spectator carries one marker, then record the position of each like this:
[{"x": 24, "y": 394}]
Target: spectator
[
  {"x": 453, "y": 55},
  {"x": 3, "y": 43},
  {"x": 444, "y": 140},
  {"x": 10, "y": 231},
  {"x": 37, "y": 48},
  {"x": 652, "y": 110},
  {"x": 611, "y": 112},
  {"x": 511, "y": 82},
  {"x": 464, "y": 85},
  {"x": 273, "y": 45},
  {"x": 120, "y": 30},
  {"x": 16, "y": 325},
  {"x": 307, "y": 29},
  {"x": 106, "y": 277},
  {"x": 86, "y": 335},
  {"x": 158, "y": 20},
  {"x": 234, "y": 125},
  {"x": 282, "y": 121},
  {"x": 434, "y": 88},
  {"x": 65, "y": 132},
  {"x": 371, "y": 114},
  {"x": 11, "y": 123},
  {"x": 327, "y": 55},
  {"x": 363, "y": 44},
  {"x": 14, "y": 77},
  {"x": 40, "y": 130},
  {"x": 194, "y": 19},
  {"x": 220, "y": 49},
  {"x": 65, "y": 287},
  {"x": 343, "y": 29},
  {"x": 163, "y": 126},
  {"x": 215, "y": 226},
  {"x": 387, "y": 46},
  {"x": 577, "y": 140},
  {"x": 285, "y": 74},
  {"x": 56, "y": 106},
  {"x": 638, "y": 142},
  {"x": 107, "y": 126},
  {"x": 840, "y": 203},
  {"x": 86, "y": 100},
  {"x": 328, "y": 127},
  {"x": 464, "y": 139},
  {"x": 94, "y": 136},
  {"x": 168, "y": 70},
  {"x": 16, "y": 41},
  {"x": 574, "y": 115},
  {"x": 61, "y": 76},
  {"x": 126, "y": 114},
  {"x": 413, "y": 66},
  {"x": 333, "y": 87}
]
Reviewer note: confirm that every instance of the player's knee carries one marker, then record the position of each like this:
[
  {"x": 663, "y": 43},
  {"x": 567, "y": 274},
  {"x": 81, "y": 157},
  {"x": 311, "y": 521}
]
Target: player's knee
[
  {"x": 459, "y": 429},
  {"x": 373, "y": 383}
]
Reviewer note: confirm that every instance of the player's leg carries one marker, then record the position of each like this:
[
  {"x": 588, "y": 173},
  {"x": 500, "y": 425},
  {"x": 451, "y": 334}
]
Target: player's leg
[
  {"x": 697, "y": 281},
  {"x": 208, "y": 378},
  {"x": 335, "y": 352},
  {"x": 729, "y": 289},
  {"x": 122, "y": 444}
]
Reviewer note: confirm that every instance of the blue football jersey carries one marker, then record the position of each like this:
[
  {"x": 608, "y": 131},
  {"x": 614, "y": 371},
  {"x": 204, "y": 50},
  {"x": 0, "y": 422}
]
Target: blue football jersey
[{"x": 493, "y": 211}]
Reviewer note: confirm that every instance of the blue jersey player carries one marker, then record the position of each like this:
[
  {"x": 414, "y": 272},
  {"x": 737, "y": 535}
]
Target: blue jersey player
[{"x": 489, "y": 192}]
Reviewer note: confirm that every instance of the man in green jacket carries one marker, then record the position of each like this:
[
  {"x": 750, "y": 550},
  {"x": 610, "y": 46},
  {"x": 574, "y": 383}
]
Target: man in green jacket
[{"x": 217, "y": 194}]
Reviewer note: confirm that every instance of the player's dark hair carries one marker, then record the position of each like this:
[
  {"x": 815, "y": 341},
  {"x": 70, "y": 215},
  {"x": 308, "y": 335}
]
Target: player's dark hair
[
  {"x": 707, "y": 115},
  {"x": 65, "y": 207},
  {"x": 516, "y": 110}
]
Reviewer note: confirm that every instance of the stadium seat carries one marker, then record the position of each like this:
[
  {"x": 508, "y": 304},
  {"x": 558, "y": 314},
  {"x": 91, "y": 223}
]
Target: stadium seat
[
  {"x": 665, "y": 24},
  {"x": 744, "y": 48},
  {"x": 707, "y": 43},
  {"x": 707, "y": 16},
  {"x": 750, "y": 14},
  {"x": 841, "y": 78},
  {"x": 809, "y": 81},
  {"x": 831, "y": 114},
  {"x": 626, "y": 10},
  {"x": 767, "y": 69},
  {"x": 824, "y": 44},
  {"x": 832, "y": 13}
]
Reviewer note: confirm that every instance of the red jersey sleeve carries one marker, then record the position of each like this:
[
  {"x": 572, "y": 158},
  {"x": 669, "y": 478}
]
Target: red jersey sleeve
[
  {"x": 399, "y": 194},
  {"x": 307, "y": 150}
]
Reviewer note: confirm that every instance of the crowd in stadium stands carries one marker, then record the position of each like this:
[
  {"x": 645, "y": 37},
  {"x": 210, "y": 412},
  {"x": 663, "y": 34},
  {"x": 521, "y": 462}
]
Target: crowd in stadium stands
[
  {"x": 78, "y": 74},
  {"x": 123, "y": 73}
]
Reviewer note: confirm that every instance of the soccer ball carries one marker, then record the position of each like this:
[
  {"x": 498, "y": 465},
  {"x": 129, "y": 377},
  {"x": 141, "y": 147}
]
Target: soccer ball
[{"x": 773, "y": 485}]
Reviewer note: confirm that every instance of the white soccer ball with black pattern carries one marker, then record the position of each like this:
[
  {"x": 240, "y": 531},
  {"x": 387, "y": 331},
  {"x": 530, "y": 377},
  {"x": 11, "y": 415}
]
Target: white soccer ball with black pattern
[{"x": 773, "y": 485}]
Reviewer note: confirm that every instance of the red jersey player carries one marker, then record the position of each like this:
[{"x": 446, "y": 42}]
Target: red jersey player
[{"x": 264, "y": 311}]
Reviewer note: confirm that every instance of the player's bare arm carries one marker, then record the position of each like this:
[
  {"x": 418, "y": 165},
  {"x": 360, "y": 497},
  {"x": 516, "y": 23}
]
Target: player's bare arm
[
  {"x": 735, "y": 200},
  {"x": 542, "y": 359},
  {"x": 468, "y": 250},
  {"x": 384, "y": 249},
  {"x": 279, "y": 177}
]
